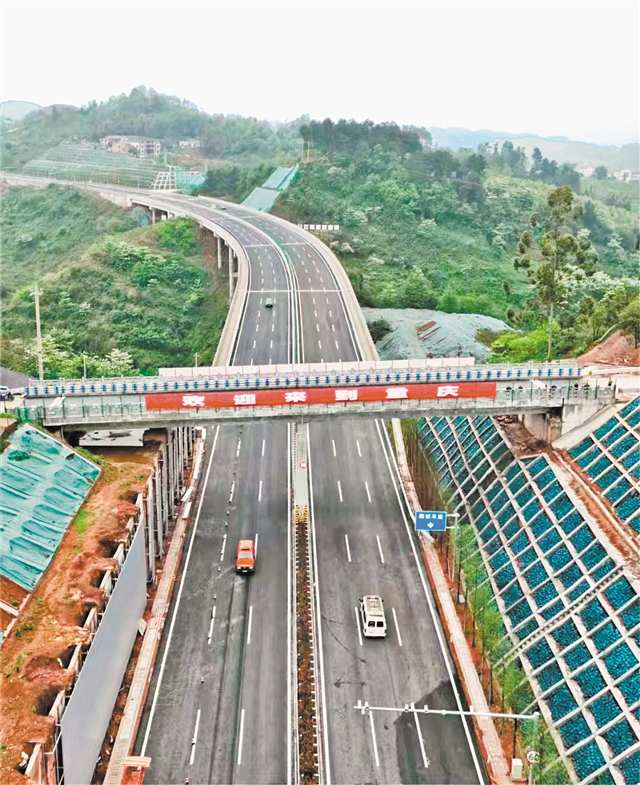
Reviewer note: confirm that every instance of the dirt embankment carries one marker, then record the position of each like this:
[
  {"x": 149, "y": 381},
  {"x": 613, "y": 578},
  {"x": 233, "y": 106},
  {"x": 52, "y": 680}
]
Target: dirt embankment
[
  {"x": 33, "y": 658},
  {"x": 617, "y": 349}
]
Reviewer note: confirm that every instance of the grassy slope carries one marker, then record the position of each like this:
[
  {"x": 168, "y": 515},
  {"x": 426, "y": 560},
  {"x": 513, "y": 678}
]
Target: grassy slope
[{"x": 87, "y": 300}]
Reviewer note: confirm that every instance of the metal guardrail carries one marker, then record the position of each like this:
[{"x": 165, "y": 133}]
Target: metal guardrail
[{"x": 304, "y": 375}]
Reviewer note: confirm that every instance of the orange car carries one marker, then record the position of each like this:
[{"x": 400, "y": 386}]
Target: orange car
[{"x": 246, "y": 557}]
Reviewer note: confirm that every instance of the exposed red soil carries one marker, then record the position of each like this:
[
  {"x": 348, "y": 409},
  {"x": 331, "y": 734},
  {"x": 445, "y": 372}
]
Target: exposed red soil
[
  {"x": 49, "y": 625},
  {"x": 617, "y": 349}
]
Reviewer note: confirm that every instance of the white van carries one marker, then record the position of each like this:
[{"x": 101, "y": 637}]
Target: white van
[{"x": 372, "y": 618}]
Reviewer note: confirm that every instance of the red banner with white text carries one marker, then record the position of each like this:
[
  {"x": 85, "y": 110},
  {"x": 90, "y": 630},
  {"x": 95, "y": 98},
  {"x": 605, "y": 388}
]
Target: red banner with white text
[{"x": 314, "y": 395}]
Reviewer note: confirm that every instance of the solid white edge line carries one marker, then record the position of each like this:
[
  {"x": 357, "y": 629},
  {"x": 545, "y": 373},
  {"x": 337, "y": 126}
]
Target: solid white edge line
[
  {"x": 346, "y": 542},
  {"x": 249, "y": 625},
  {"x": 165, "y": 655},
  {"x": 355, "y": 608},
  {"x": 194, "y": 739},
  {"x": 325, "y": 722},
  {"x": 395, "y": 621},
  {"x": 436, "y": 621},
  {"x": 373, "y": 736},
  {"x": 380, "y": 548},
  {"x": 240, "y": 737}
]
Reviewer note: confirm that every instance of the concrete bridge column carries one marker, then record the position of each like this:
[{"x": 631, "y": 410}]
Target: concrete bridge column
[
  {"x": 157, "y": 494},
  {"x": 166, "y": 505},
  {"x": 230, "y": 273},
  {"x": 172, "y": 470},
  {"x": 219, "y": 239},
  {"x": 153, "y": 214},
  {"x": 151, "y": 529}
]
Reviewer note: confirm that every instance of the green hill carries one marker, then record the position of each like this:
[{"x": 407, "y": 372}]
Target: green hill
[
  {"x": 17, "y": 110},
  {"x": 145, "y": 112},
  {"x": 561, "y": 149},
  {"x": 107, "y": 286}
]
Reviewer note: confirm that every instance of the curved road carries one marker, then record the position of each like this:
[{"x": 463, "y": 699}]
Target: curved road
[{"x": 223, "y": 680}]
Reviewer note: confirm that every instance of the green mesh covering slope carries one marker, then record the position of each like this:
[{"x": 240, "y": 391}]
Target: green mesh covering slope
[
  {"x": 42, "y": 485},
  {"x": 263, "y": 198}
]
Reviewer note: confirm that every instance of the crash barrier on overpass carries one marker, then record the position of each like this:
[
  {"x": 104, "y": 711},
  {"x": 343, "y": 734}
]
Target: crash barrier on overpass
[
  {"x": 263, "y": 198},
  {"x": 43, "y": 483},
  {"x": 275, "y": 377}
]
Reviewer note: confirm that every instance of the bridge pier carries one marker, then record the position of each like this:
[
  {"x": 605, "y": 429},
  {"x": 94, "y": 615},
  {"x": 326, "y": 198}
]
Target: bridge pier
[
  {"x": 219, "y": 239},
  {"x": 231, "y": 273}
]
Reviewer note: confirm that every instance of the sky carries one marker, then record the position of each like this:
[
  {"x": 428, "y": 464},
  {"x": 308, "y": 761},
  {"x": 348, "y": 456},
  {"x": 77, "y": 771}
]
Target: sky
[{"x": 552, "y": 67}]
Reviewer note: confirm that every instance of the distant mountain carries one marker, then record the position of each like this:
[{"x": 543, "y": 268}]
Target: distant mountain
[
  {"x": 560, "y": 148},
  {"x": 16, "y": 110}
]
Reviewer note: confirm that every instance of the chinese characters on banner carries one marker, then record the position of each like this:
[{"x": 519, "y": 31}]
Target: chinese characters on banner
[{"x": 320, "y": 395}]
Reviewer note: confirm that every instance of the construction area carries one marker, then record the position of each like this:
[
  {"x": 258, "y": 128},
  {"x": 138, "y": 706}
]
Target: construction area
[{"x": 84, "y": 540}]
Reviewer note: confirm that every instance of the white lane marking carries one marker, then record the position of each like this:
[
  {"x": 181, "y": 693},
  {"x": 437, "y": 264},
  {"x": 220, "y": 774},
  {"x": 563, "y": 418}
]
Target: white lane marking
[
  {"x": 346, "y": 542},
  {"x": 194, "y": 739},
  {"x": 395, "y": 621},
  {"x": 223, "y": 546},
  {"x": 397, "y": 483},
  {"x": 251, "y": 363},
  {"x": 358, "y": 448},
  {"x": 366, "y": 487},
  {"x": 165, "y": 656},
  {"x": 339, "y": 489},
  {"x": 355, "y": 608},
  {"x": 211, "y": 623},
  {"x": 319, "y": 344},
  {"x": 333, "y": 447},
  {"x": 315, "y": 313},
  {"x": 260, "y": 491},
  {"x": 263, "y": 443},
  {"x": 333, "y": 328},
  {"x": 233, "y": 487},
  {"x": 337, "y": 345},
  {"x": 380, "y": 548},
  {"x": 254, "y": 344},
  {"x": 255, "y": 544},
  {"x": 373, "y": 736},
  {"x": 271, "y": 343},
  {"x": 273, "y": 326},
  {"x": 240, "y": 735},
  {"x": 313, "y": 300},
  {"x": 257, "y": 327},
  {"x": 249, "y": 625},
  {"x": 238, "y": 447},
  {"x": 425, "y": 761},
  {"x": 317, "y": 327}
]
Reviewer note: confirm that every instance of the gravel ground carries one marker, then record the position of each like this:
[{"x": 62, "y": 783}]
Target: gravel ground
[{"x": 423, "y": 333}]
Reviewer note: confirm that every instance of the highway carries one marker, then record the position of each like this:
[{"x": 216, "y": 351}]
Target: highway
[{"x": 218, "y": 705}]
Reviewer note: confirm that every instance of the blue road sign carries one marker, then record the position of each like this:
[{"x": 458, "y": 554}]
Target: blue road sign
[{"x": 431, "y": 520}]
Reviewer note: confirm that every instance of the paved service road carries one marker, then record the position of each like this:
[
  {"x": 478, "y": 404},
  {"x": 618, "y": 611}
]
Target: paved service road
[{"x": 364, "y": 545}]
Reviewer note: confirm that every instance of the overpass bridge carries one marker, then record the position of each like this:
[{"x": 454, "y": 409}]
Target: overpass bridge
[
  {"x": 312, "y": 391},
  {"x": 235, "y": 679}
]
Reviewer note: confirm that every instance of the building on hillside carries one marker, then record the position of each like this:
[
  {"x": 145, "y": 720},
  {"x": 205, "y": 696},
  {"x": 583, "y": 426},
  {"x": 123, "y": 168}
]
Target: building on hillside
[
  {"x": 585, "y": 171},
  {"x": 189, "y": 144},
  {"x": 627, "y": 176},
  {"x": 143, "y": 146}
]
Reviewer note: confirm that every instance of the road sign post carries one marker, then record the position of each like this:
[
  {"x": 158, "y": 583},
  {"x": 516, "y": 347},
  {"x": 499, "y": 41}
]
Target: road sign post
[{"x": 431, "y": 520}]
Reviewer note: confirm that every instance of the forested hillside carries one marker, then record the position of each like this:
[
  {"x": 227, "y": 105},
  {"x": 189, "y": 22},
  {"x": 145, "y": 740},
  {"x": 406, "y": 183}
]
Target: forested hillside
[
  {"x": 108, "y": 289},
  {"x": 145, "y": 112},
  {"x": 423, "y": 228}
]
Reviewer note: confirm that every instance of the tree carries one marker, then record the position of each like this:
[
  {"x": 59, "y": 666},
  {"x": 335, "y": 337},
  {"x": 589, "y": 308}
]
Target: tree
[
  {"x": 416, "y": 293},
  {"x": 600, "y": 173},
  {"x": 549, "y": 246},
  {"x": 536, "y": 161}
]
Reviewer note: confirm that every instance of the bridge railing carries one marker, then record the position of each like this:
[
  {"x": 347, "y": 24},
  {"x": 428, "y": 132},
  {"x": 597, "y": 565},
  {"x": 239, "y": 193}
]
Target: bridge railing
[
  {"x": 309, "y": 375},
  {"x": 96, "y": 411}
]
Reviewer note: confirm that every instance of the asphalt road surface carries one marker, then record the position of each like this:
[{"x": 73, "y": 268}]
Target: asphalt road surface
[{"x": 218, "y": 705}]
